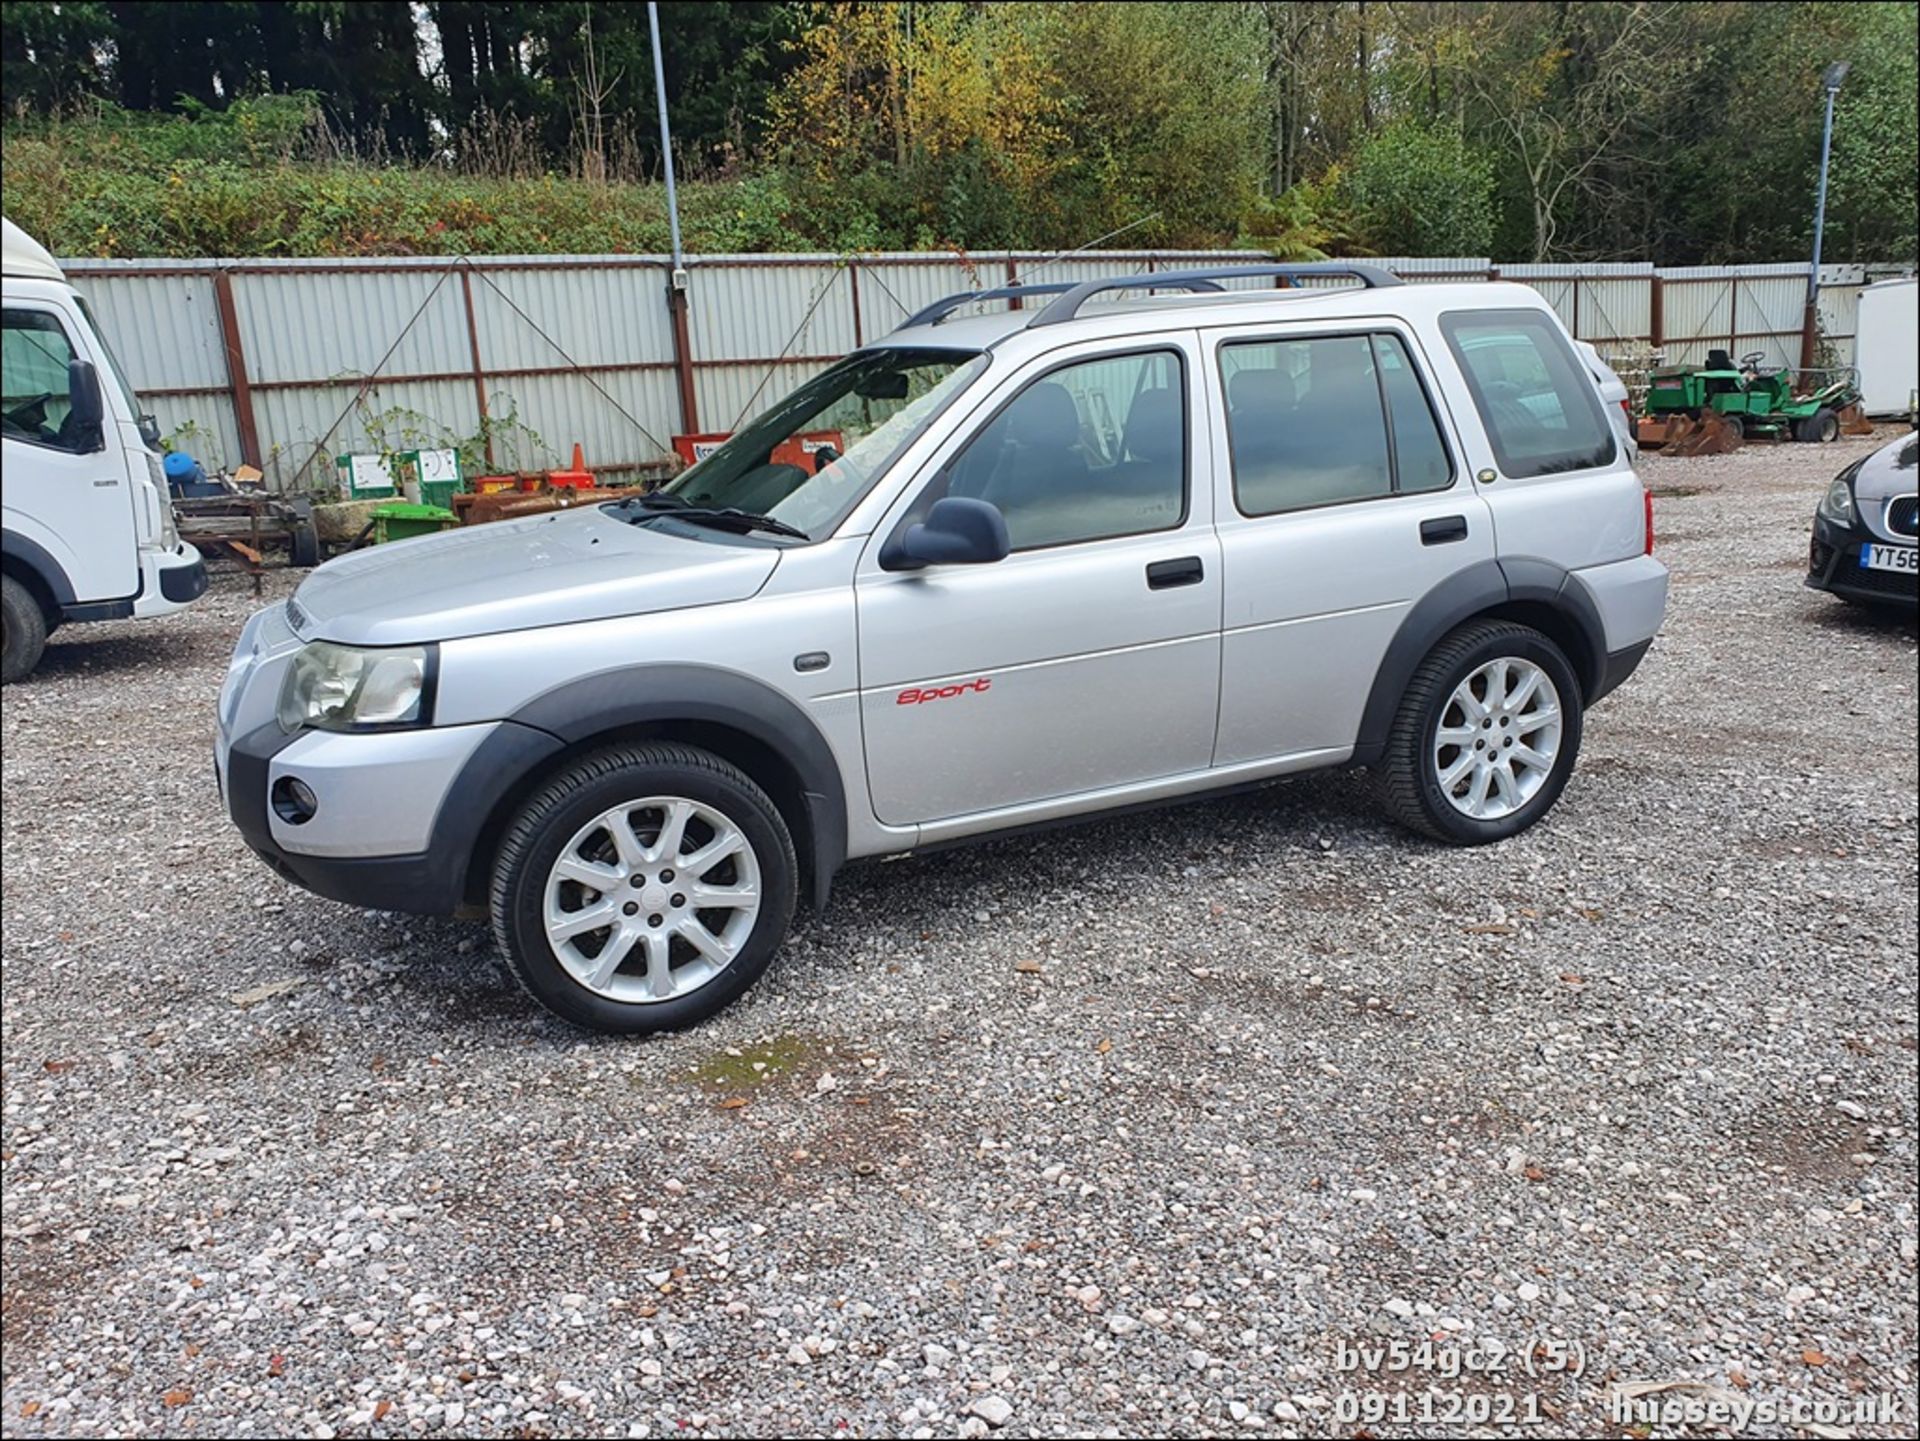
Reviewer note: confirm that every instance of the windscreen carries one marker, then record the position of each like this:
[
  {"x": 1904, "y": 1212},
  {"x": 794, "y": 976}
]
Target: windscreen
[
  {"x": 810, "y": 459},
  {"x": 113, "y": 361}
]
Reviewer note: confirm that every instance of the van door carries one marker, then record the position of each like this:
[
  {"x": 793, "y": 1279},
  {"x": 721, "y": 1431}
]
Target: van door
[
  {"x": 1090, "y": 656},
  {"x": 66, "y": 493},
  {"x": 1343, "y": 502}
]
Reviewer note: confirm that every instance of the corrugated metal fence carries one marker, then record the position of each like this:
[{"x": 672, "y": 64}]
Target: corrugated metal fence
[{"x": 286, "y": 363}]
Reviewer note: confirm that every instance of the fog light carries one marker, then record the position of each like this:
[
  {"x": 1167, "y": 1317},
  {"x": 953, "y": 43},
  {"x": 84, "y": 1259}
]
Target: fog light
[{"x": 293, "y": 801}]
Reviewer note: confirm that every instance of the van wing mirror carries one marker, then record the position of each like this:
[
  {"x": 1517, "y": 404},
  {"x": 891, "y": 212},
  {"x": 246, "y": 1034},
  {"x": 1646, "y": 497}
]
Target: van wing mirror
[
  {"x": 86, "y": 405},
  {"x": 958, "y": 530}
]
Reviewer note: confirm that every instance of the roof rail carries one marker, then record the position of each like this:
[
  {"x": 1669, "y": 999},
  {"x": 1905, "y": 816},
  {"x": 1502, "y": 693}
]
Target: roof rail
[
  {"x": 1067, "y": 307},
  {"x": 940, "y": 309},
  {"x": 1165, "y": 280}
]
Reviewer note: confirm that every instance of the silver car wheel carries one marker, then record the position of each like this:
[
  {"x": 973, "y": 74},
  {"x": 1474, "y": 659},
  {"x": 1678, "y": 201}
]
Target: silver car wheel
[
  {"x": 1498, "y": 738},
  {"x": 649, "y": 901}
]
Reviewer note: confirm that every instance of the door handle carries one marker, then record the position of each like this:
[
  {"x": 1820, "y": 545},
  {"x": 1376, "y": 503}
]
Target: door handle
[
  {"x": 1166, "y": 574},
  {"x": 1443, "y": 529}
]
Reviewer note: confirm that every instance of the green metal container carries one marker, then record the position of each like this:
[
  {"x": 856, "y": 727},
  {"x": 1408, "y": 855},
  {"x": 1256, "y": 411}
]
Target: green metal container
[
  {"x": 403, "y": 520},
  {"x": 440, "y": 492}
]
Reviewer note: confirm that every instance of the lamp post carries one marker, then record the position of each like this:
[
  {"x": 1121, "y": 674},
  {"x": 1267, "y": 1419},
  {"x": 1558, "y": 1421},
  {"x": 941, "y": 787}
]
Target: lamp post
[
  {"x": 1810, "y": 325},
  {"x": 677, "y": 278}
]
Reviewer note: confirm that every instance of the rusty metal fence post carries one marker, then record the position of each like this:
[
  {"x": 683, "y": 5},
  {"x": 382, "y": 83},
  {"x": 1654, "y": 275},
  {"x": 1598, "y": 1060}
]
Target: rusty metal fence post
[
  {"x": 682, "y": 355},
  {"x": 479, "y": 375},
  {"x": 244, "y": 420}
]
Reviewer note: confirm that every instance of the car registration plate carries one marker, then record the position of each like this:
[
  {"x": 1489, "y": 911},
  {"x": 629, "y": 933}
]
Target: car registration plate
[{"x": 1904, "y": 558}]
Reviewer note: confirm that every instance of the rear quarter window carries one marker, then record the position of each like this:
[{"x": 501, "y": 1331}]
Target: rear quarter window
[{"x": 1540, "y": 408}]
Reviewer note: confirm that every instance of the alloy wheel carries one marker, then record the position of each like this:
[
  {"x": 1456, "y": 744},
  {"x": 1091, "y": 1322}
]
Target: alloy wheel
[
  {"x": 1498, "y": 738},
  {"x": 651, "y": 899}
]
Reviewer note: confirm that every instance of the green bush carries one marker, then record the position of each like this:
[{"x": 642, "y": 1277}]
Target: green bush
[{"x": 1416, "y": 190}]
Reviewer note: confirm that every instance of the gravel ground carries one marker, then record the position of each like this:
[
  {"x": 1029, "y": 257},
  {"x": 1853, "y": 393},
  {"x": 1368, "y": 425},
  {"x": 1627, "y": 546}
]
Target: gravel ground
[{"x": 1125, "y": 1129}]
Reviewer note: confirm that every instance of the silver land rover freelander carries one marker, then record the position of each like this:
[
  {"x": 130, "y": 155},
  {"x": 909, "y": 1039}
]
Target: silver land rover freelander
[{"x": 1026, "y": 565}]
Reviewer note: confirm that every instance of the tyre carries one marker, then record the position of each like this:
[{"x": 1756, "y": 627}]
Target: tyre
[
  {"x": 1736, "y": 427},
  {"x": 1822, "y": 427},
  {"x": 303, "y": 545},
  {"x": 1486, "y": 736},
  {"x": 25, "y": 630},
  {"x": 644, "y": 888}
]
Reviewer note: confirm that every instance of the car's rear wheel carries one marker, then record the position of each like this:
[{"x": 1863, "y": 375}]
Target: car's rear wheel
[
  {"x": 644, "y": 889},
  {"x": 23, "y": 631},
  {"x": 1486, "y": 735}
]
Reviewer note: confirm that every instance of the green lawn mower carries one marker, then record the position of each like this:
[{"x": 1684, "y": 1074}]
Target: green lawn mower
[{"x": 1750, "y": 401}]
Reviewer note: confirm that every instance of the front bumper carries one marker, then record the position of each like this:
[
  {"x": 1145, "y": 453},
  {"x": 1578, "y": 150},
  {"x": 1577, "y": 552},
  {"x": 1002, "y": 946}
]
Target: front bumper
[
  {"x": 1833, "y": 565},
  {"x": 170, "y": 580},
  {"x": 401, "y": 815}
]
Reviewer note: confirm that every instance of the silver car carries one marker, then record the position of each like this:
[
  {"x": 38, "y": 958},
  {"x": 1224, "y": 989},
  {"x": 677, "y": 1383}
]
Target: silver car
[{"x": 993, "y": 571}]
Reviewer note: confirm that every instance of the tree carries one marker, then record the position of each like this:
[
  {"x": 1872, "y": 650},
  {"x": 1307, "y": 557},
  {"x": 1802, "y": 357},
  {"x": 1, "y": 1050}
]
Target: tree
[
  {"x": 1420, "y": 190},
  {"x": 1561, "y": 85},
  {"x": 50, "y": 54}
]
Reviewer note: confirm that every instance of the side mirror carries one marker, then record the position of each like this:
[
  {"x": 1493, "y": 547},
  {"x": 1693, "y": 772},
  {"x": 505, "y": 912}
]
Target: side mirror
[
  {"x": 86, "y": 409},
  {"x": 958, "y": 530}
]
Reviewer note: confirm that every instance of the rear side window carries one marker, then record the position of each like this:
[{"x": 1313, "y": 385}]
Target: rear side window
[
  {"x": 1534, "y": 396},
  {"x": 1420, "y": 456},
  {"x": 1326, "y": 420}
]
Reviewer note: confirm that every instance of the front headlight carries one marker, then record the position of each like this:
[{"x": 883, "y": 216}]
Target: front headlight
[
  {"x": 169, "y": 529},
  {"x": 344, "y": 688},
  {"x": 1837, "y": 504}
]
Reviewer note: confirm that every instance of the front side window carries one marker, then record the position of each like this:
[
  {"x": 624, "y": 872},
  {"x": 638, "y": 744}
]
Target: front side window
[
  {"x": 1536, "y": 400},
  {"x": 809, "y": 460},
  {"x": 1089, "y": 451},
  {"x": 34, "y": 353}
]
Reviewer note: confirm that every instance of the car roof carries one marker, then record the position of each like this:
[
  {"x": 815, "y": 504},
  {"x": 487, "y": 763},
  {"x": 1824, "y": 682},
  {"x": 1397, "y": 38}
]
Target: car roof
[{"x": 1006, "y": 329}]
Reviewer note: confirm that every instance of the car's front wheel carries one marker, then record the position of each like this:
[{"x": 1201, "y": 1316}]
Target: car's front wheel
[
  {"x": 1486, "y": 735},
  {"x": 644, "y": 888}
]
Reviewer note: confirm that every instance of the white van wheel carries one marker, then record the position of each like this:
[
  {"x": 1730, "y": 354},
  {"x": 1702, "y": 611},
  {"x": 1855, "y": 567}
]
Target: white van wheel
[{"x": 25, "y": 627}]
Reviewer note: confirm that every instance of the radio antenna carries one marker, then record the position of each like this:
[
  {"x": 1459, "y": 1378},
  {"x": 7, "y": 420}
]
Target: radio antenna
[{"x": 1060, "y": 255}]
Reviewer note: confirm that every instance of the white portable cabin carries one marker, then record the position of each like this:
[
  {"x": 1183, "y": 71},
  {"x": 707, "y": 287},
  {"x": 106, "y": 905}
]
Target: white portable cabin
[{"x": 1887, "y": 346}]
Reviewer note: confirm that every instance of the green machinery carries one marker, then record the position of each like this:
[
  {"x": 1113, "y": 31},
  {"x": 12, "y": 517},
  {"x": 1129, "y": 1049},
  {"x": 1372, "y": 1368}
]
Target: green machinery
[{"x": 1749, "y": 400}]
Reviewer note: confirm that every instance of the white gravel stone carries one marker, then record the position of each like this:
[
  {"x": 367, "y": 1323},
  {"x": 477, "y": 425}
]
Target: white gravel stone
[{"x": 996, "y": 1411}]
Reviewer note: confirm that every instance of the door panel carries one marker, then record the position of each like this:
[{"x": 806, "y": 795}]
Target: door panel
[
  {"x": 1091, "y": 678},
  {"x": 1313, "y": 599},
  {"x": 76, "y": 506},
  {"x": 1065, "y": 667},
  {"x": 1364, "y": 521}
]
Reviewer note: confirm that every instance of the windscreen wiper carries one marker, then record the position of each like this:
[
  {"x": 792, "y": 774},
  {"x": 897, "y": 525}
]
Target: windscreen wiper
[{"x": 724, "y": 517}]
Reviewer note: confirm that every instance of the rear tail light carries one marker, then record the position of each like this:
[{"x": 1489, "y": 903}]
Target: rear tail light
[{"x": 1647, "y": 498}]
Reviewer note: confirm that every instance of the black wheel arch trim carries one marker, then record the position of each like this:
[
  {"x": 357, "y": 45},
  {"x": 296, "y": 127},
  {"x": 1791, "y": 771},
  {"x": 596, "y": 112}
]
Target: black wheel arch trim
[
  {"x": 1487, "y": 585},
  {"x": 664, "y": 695},
  {"x": 33, "y": 557}
]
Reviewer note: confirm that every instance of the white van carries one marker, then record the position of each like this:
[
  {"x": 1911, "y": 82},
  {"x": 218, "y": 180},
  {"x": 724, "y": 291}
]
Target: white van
[{"x": 88, "y": 531}]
